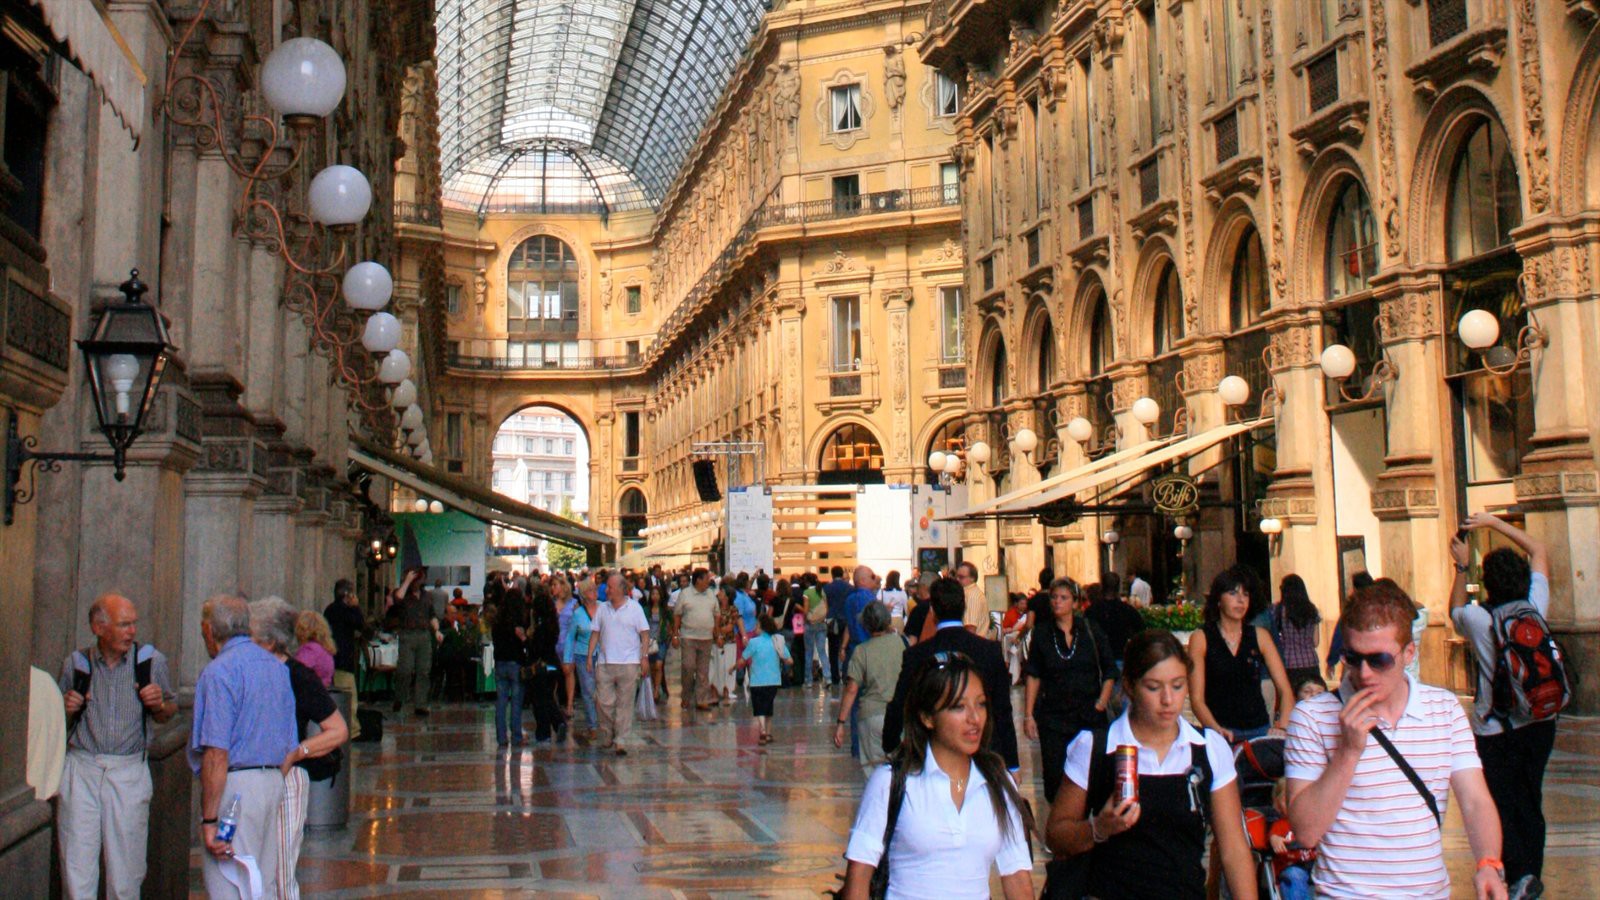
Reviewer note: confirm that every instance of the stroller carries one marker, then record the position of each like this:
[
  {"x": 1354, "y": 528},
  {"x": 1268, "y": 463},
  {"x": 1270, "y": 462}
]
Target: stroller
[{"x": 1259, "y": 764}]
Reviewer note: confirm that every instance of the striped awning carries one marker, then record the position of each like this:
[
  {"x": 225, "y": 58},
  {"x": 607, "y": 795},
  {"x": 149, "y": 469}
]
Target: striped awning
[{"x": 99, "y": 49}]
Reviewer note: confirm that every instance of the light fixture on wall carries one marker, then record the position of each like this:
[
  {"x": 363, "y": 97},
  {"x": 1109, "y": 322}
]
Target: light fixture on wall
[
  {"x": 1338, "y": 363},
  {"x": 420, "y": 505},
  {"x": 303, "y": 81},
  {"x": 1110, "y": 537},
  {"x": 1146, "y": 411},
  {"x": 1479, "y": 330},
  {"x": 124, "y": 359},
  {"x": 1025, "y": 442}
]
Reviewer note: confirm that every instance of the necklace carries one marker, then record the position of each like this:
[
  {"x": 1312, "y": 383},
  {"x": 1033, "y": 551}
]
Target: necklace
[
  {"x": 1231, "y": 640},
  {"x": 1072, "y": 648}
]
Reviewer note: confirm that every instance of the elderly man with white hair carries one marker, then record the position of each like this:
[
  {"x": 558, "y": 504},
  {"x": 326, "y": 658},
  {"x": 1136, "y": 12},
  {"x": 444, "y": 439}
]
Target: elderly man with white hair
[
  {"x": 112, "y": 689},
  {"x": 243, "y": 729},
  {"x": 315, "y": 758},
  {"x": 621, "y": 641}
]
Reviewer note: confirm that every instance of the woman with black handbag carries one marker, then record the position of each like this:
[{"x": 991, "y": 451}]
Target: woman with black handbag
[{"x": 944, "y": 812}]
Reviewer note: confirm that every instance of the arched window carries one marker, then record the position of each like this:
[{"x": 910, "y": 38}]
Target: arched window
[
  {"x": 1247, "y": 291},
  {"x": 997, "y": 374},
  {"x": 851, "y": 455},
  {"x": 1352, "y": 251},
  {"x": 950, "y": 438},
  {"x": 632, "y": 513},
  {"x": 542, "y": 288},
  {"x": 1169, "y": 310},
  {"x": 1102, "y": 342},
  {"x": 1044, "y": 373},
  {"x": 1485, "y": 201}
]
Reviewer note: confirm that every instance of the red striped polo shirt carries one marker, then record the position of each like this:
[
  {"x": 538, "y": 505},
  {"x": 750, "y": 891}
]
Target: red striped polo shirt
[{"x": 1384, "y": 842}]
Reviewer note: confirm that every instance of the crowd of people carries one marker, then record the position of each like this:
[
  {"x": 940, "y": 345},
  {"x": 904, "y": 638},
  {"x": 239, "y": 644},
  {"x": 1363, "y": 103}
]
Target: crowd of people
[{"x": 1165, "y": 771}]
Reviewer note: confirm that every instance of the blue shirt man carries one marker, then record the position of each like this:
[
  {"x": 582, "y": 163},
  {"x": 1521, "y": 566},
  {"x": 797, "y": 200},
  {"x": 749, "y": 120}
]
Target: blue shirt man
[
  {"x": 838, "y": 593},
  {"x": 856, "y": 603},
  {"x": 747, "y": 610},
  {"x": 243, "y": 704}
]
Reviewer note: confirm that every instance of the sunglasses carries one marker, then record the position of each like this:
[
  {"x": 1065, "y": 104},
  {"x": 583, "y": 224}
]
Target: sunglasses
[
  {"x": 945, "y": 658},
  {"x": 1380, "y": 662}
]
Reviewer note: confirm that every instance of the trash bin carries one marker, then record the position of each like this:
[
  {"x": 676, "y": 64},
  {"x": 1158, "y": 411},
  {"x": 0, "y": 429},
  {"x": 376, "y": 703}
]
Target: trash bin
[{"x": 328, "y": 806}]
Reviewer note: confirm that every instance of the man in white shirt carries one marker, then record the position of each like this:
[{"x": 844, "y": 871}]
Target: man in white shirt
[
  {"x": 1377, "y": 833},
  {"x": 1514, "y": 749},
  {"x": 622, "y": 640},
  {"x": 693, "y": 619},
  {"x": 1139, "y": 591}
]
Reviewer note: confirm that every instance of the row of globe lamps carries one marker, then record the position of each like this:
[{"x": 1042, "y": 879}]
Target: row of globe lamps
[
  {"x": 304, "y": 80},
  {"x": 693, "y": 520}
]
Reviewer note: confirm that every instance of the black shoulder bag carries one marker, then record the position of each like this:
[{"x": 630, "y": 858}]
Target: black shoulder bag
[
  {"x": 878, "y": 888},
  {"x": 1410, "y": 773}
]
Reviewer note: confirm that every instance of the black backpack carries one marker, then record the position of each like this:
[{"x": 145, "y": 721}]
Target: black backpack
[{"x": 83, "y": 674}]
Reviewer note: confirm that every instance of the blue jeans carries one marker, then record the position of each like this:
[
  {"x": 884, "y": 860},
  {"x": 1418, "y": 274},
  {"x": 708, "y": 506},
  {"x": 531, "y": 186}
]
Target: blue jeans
[
  {"x": 586, "y": 688},
  {"x": 507, "y": 692},
  {"x": 1295, "y": 883},
  {"x": 816, "y": 649},
  {"x": 1240, "y": 735}
]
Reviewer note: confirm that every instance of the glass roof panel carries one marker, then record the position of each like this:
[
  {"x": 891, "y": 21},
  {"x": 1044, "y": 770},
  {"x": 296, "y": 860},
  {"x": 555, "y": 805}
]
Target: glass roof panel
[{"x": 610, "y": 93}]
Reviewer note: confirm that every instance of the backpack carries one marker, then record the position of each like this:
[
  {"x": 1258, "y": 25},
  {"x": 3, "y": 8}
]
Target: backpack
[
  {"x": 143, "y": 656},
  {"x": 1530, "y": 682}
]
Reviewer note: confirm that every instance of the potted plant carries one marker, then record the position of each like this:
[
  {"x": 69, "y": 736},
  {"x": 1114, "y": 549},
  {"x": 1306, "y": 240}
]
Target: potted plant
[{"x": 1182, "y": 619}]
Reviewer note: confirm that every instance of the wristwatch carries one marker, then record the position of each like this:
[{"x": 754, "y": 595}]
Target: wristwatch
[
  {"x": 1459, "y": 567},
  {"x": 210, "y": 821}
]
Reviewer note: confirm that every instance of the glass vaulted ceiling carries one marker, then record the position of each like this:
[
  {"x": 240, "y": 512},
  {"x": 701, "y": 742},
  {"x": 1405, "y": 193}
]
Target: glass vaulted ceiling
[{"x": 578, "y": 105}]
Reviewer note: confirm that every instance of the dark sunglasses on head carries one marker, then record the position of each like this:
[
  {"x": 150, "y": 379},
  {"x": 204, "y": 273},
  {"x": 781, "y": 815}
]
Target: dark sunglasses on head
[
  {"x": 1380, "y": 662},
  {"x": 949, "y": 658}
]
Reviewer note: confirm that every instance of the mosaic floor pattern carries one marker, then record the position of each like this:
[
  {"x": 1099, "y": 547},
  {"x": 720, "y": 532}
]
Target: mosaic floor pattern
[{"x": 699, "y": 811}]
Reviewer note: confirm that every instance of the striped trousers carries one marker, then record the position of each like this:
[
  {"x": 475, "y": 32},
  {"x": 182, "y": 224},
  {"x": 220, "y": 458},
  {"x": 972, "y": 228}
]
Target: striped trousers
[{"x": 292, "y": 831}]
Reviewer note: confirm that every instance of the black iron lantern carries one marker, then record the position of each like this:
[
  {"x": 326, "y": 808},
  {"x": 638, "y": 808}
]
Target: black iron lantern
[{"x": 125, "y": 357}]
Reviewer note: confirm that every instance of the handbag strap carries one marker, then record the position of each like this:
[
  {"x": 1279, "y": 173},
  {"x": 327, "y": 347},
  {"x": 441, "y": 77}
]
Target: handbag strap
[
  {"x": 1410, "y": 773},
  {"x": 897, "y": 795}
]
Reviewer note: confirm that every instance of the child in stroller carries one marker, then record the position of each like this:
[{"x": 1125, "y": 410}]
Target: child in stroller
[{"x": 1284, "y": 866}]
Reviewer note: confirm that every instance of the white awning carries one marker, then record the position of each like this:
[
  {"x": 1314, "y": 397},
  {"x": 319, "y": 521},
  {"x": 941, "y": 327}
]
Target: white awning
[
  {"x": 1123, "y": 473},
  {"x": 103, "y": 54},
  {"x": 676, "y": 547},
  {"x": 1023, "y": 493}
]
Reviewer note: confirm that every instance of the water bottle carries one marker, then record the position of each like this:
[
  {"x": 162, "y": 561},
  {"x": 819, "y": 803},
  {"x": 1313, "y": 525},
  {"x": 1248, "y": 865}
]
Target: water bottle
[{"x": 229, "y": 822}]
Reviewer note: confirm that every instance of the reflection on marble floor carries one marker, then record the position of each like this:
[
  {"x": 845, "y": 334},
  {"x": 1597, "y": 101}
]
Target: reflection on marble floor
[{"x": 700, "y": 811}]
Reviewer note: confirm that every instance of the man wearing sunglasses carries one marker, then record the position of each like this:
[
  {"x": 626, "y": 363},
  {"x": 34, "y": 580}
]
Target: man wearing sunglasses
[{"x": 1371, "y": 767}]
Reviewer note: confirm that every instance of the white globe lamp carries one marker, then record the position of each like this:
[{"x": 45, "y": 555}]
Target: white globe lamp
[
  {"x": 435, "y": 507},
  {"x": 1271, "y": 525},
  {"x": 303, "y": 80},
  {"x": 339, "y": 196},
  {"x": 395, "y": 367},
  {"x": 1110, "y": 537},
  {"x": 936, "y": 460},
  {"x": 416, "y": 438},
  {"x": 382, "y": 333},
  {"x": 421, "y": 504},
  {"x": 1026, "y": 440},
  {"x": 1080, "y": 430},
  {"x": 368, "y": 286},
  {"x": 411, "y": 419},
  {"x": 978, "y": 452},
  {"x": 1183, "y": 532},
  {"x": 1146, "y": 411},
  {"x": 1233, "y": 390},
  {"x": 952, "y": 464},
  {"x": 1338, "y": 362},
  {"x": 1479, "y": 329},
  {"x": 405, "y": 394}
]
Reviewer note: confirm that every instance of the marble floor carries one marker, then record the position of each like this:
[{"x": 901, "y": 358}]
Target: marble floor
[{"x": 699, "y": 811}]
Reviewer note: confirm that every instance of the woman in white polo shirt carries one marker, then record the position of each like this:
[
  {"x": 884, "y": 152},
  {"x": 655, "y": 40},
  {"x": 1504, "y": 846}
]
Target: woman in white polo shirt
[
  {"x": 1152, "y": 847},
  {"x": 959, "y": 813}
]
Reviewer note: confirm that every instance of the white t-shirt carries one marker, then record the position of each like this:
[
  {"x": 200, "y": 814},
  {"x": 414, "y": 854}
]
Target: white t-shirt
[
  {"x": 618, "y": 631},
  {"x": 896, "y": 601},
  {"x": 1139, "y": 592},
  {"x": 1477, "y": 623},
  {"x": 938, "y": 852},
  {"x": 1384, "y": 841},
  {"x": 1176, "y": 762}
]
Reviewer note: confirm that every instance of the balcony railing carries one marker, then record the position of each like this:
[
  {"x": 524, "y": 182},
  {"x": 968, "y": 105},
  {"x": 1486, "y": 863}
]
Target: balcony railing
[
  {"x": 931, "y": 197},
  {"x": 953, "y": 375},
  {"x": 1446, "y": 19},
  {"x": 459, "y": 360}
]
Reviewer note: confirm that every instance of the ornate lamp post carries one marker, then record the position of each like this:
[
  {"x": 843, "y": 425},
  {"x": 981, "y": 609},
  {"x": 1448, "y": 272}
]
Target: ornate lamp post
[{"x": 125, "y": 357}]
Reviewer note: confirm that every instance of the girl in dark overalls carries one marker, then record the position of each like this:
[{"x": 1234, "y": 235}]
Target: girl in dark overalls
[{"x": 1150, "y": 847}]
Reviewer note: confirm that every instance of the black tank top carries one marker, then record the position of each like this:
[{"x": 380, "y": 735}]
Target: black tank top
[{"x": 1233, "y": 681}]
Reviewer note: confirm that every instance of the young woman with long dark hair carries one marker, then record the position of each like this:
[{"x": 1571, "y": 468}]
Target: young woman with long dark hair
[
  {"x": 1295, "y": 622},
  {"x": 544, "y": 660},
  {"x": 1150, "y": 848},
  {"x": 1229, "y": 654},
  {"x": 956, "y": 812}
]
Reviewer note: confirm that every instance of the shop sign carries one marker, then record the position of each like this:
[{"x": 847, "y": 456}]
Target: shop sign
[{"x": 1176, "y": 495}]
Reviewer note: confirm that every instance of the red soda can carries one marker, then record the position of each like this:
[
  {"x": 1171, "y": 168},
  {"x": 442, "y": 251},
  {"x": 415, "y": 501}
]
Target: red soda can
[{"x": 1127, "y": 773}]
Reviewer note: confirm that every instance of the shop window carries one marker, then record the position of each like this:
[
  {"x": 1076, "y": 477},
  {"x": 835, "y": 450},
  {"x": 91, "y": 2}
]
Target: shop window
[{"x": 1352, "y": 243}]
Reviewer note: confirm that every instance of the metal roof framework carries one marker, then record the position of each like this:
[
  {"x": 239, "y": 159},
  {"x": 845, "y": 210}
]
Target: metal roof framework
[{"x": 578, "y": 105}]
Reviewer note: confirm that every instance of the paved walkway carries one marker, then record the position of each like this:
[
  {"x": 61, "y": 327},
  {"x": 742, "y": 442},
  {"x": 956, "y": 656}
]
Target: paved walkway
[{"x": 698, "y": 812}]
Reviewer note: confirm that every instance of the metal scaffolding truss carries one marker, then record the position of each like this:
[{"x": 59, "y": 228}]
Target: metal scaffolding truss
[{"x": 578, "y": 104}]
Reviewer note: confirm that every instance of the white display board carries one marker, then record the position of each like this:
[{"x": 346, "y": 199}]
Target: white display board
[
  {"x": 749, "y": 529},
  {"x": 883, "y": 527}
]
